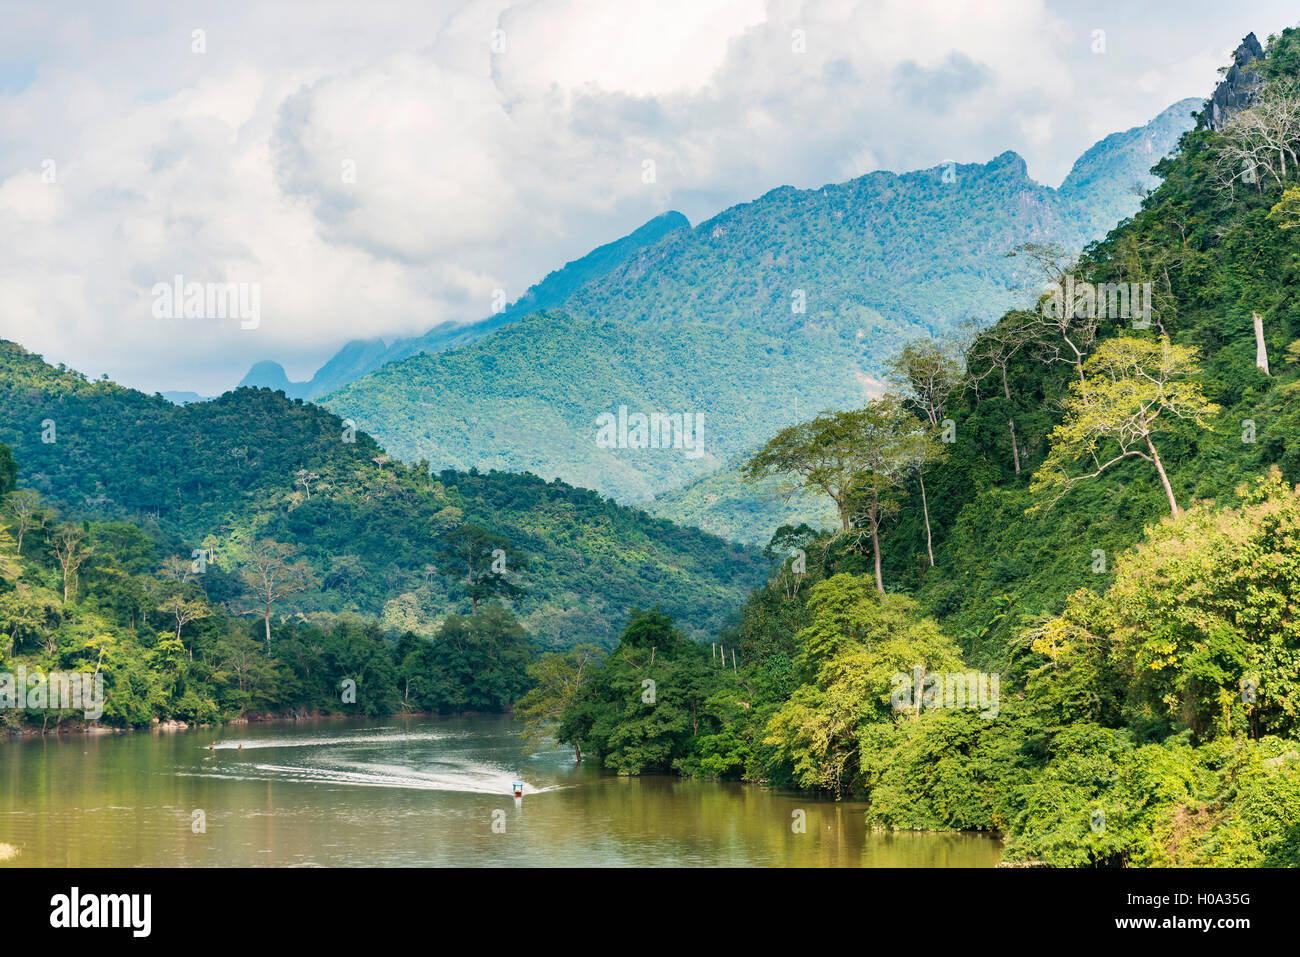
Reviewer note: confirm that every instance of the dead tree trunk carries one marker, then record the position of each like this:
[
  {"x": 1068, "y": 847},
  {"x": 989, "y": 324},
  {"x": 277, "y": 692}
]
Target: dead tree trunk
[{"x": 1261, "y": 350}]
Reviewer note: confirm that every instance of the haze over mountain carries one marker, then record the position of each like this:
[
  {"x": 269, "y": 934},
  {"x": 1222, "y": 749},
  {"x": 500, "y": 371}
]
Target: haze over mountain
[
  {"x": 1101, "y": 185},
  {"x": 797, "y": 297},
  {"x": 361, "y": 356}
]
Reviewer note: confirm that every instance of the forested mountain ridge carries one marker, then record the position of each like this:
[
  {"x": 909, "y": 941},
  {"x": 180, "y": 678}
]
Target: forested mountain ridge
[
  {"x": 1101, "y": 659},
  {"x": 920, "y": 251},
  {"x": 818, "y": 287},
  {"x": 251, "y": 465},
  {"x": 1099, "y": 190},
  {"x": 529, "y": 399}
]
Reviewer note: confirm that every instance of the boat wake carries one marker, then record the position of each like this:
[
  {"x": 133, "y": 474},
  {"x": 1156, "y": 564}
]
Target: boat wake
[
  {"x": 256, "y": 744},
  {"x": 424, "y": 762}
]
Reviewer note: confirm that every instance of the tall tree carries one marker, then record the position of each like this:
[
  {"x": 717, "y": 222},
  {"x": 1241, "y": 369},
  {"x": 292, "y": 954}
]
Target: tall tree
[
  {"x": 929, "y": 375},
  {"x": 823, "y": 454},
  {"x": 858, "y": 458},
  {"x": 185, "y": 610},
  {"x": 1134, "y": 389},
  {"x": 480, "y": 561},
  {"x": 70, "y": 548},
  {"x": 895, "y": 444},
  {"x": 559, "y": 679},
  {"x": 992, "y": 352},
  {"x": 1261, "y": 141},
  {"x": 24, "y": 507},
  {"x": 271, "y": 574}
]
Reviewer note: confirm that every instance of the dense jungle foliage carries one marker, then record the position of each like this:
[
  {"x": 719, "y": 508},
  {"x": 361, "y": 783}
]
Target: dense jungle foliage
[{"x": 1105, "y": 670}]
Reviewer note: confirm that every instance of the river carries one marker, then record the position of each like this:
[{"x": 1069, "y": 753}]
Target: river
[{"x": 408, "y": 791}]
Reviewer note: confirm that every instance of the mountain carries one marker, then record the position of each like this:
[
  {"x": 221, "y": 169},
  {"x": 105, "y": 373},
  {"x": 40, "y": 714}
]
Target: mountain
[
  {"x": 528, "y": 398},
  {"x": 271, "y": 375},
  {"x": 725, "y": 504},
  {"x": 252, "y": 464},
  {"x": 184, "y": 398},
  {"x": 796, "y": 297},
  {"x": 921, "y": 250},
  {"x": 361, "y": 356},
  {"x": 1239, "y": 86},
  {"x": 1113, "y": 174}
]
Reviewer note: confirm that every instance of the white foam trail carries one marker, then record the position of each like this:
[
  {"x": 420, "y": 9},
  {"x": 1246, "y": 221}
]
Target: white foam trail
[
  {"x": 470, "y": 781},
  {"x": 423, "y": 768},
  {"x": 259, "y": 743}
]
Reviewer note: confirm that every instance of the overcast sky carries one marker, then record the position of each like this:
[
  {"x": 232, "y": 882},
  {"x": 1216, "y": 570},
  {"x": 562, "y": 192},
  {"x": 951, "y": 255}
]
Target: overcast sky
[{"x": 379, "y": 167}]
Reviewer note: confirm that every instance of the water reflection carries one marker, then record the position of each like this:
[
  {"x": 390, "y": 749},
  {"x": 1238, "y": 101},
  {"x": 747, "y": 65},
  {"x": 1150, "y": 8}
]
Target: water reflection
[{"x": 408, "y": 792}]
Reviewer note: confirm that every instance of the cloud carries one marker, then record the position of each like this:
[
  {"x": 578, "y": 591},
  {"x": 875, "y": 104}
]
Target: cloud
[
  {"x": 940, "y": 88},
  {"x": 377, "y": 173}
]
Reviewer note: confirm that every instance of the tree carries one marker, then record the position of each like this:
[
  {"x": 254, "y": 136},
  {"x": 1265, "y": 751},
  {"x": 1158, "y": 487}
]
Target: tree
[
  {"x": 929, "y": 376},
  {"x": 238, "y": 656},
  {"x": 474, "y": 663},
  {"x": 856, "y": 458},
  {"x": 1065, "y": 326},
  {"x": 855, "y": 644},
  {"x": 1135, "y": 388},
  {"x": 1199, "y": 623},
  {"x": 24, "y": 506},
  {"x": 645, "y": 708},
  {"x": 789, "y": 545},
  {"x": 1262, "y": 139},
  {"x": 895, "y": 444},
  {"x": 823, "y": 454},
  {"x": 176, "y": 570},
  {"x": 559, "y": 679},
  {"x": 993, "y": 351},
  {"x": 1286, "y": 211},
  {"x": 305, "y": 477},
  {"x": 925, "y": 450},
  {"x": 99, "y": 645},
  {"x": 272, "y": 574},
  {"x": 185, "y": 610},
  {"x": 70, "y": 548},
  {"x": 27, "y": 614},
  {"x": 8, "y": 470},
  {"x": 479, "y": 560}
]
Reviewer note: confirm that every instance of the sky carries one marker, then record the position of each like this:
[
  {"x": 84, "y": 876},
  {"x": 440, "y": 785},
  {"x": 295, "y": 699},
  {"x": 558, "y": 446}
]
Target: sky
[{"x": 373, "y": 169}]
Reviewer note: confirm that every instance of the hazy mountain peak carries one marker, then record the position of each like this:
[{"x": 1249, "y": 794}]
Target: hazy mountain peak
[{"x": 271, "y": 375}]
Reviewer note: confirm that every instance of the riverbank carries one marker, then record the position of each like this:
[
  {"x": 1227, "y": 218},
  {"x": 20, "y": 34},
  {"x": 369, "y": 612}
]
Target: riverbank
[
  {"x": 415, "y": 791},
  {"x": 295, "y": 716},
  {"x": 174, "y": 724}
]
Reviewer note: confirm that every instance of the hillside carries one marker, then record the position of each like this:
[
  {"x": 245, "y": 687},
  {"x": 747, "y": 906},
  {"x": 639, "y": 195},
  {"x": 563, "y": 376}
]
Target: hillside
[
  {"x": 224, "y": 473},
  {"x": 725, "y": 504},
  {"x": 1215, "y": 256},
  {"x": 814, "y": 287},
  {"x": 528, "y": 398}
]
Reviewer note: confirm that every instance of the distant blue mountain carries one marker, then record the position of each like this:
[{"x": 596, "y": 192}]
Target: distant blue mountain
[
  {"x": 185, "y": 398},
  {"x": 362, "y": 356}
]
